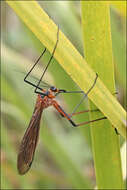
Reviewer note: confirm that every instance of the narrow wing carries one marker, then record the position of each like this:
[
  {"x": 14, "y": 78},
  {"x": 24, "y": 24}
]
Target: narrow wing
[{"x": 29, "y": 141}]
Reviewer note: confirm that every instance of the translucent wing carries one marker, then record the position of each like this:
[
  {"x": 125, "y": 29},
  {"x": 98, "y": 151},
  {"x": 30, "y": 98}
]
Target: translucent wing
[{"x": 29, "y": 141}]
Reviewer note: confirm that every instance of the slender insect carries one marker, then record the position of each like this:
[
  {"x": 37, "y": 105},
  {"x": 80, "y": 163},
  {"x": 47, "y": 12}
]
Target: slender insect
[{"x": 45, "y": 98}]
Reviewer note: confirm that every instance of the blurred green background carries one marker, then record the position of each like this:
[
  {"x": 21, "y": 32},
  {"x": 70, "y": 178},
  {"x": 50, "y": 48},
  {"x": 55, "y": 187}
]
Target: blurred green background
[{"x": 63, "y": 157}]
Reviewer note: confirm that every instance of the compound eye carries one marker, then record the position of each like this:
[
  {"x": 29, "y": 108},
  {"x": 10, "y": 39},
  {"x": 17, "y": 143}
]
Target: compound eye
[{"x": 53, "y": 88}]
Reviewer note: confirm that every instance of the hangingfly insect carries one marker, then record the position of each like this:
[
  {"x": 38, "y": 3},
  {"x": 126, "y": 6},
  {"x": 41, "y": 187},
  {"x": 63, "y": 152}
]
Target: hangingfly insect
[{"x": 45, "y": 99}]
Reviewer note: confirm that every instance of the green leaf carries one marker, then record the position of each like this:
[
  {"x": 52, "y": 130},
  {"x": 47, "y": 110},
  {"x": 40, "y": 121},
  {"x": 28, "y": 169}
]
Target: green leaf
[
  {"x": 70, "y": 59},
  {"x": 98, "y": 52}
]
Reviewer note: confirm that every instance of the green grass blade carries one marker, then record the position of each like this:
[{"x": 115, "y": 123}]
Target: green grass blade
[
  {"x": 70, "y": 59},
  {"x": 98, "y": 52}
]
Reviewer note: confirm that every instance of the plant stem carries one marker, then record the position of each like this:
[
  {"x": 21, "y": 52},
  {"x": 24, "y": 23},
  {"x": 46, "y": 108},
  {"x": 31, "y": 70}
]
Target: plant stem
[{"x": 98, "y": 52}]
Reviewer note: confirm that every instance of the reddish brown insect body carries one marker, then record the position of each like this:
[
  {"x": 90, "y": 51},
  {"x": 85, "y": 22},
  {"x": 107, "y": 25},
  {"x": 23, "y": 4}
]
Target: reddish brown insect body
[{"x": 29, "y": 141}]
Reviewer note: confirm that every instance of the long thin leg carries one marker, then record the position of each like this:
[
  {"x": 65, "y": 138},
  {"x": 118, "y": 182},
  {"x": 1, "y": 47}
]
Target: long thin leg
[
  {"x": 65, "y": 91},
  {"x": 87, "y": 122},
  {"x": 85, "y": 111},
  {"x": 85, "y": 95},
  {"x": 25, "y": 79},
  {"x": 37, "y": 87},
  {"x": 73, "y": 92},
  {"x": 76, "y": 113},
  {"x": 67, "y": 116},
  {"x": 90, "y": 121}
]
